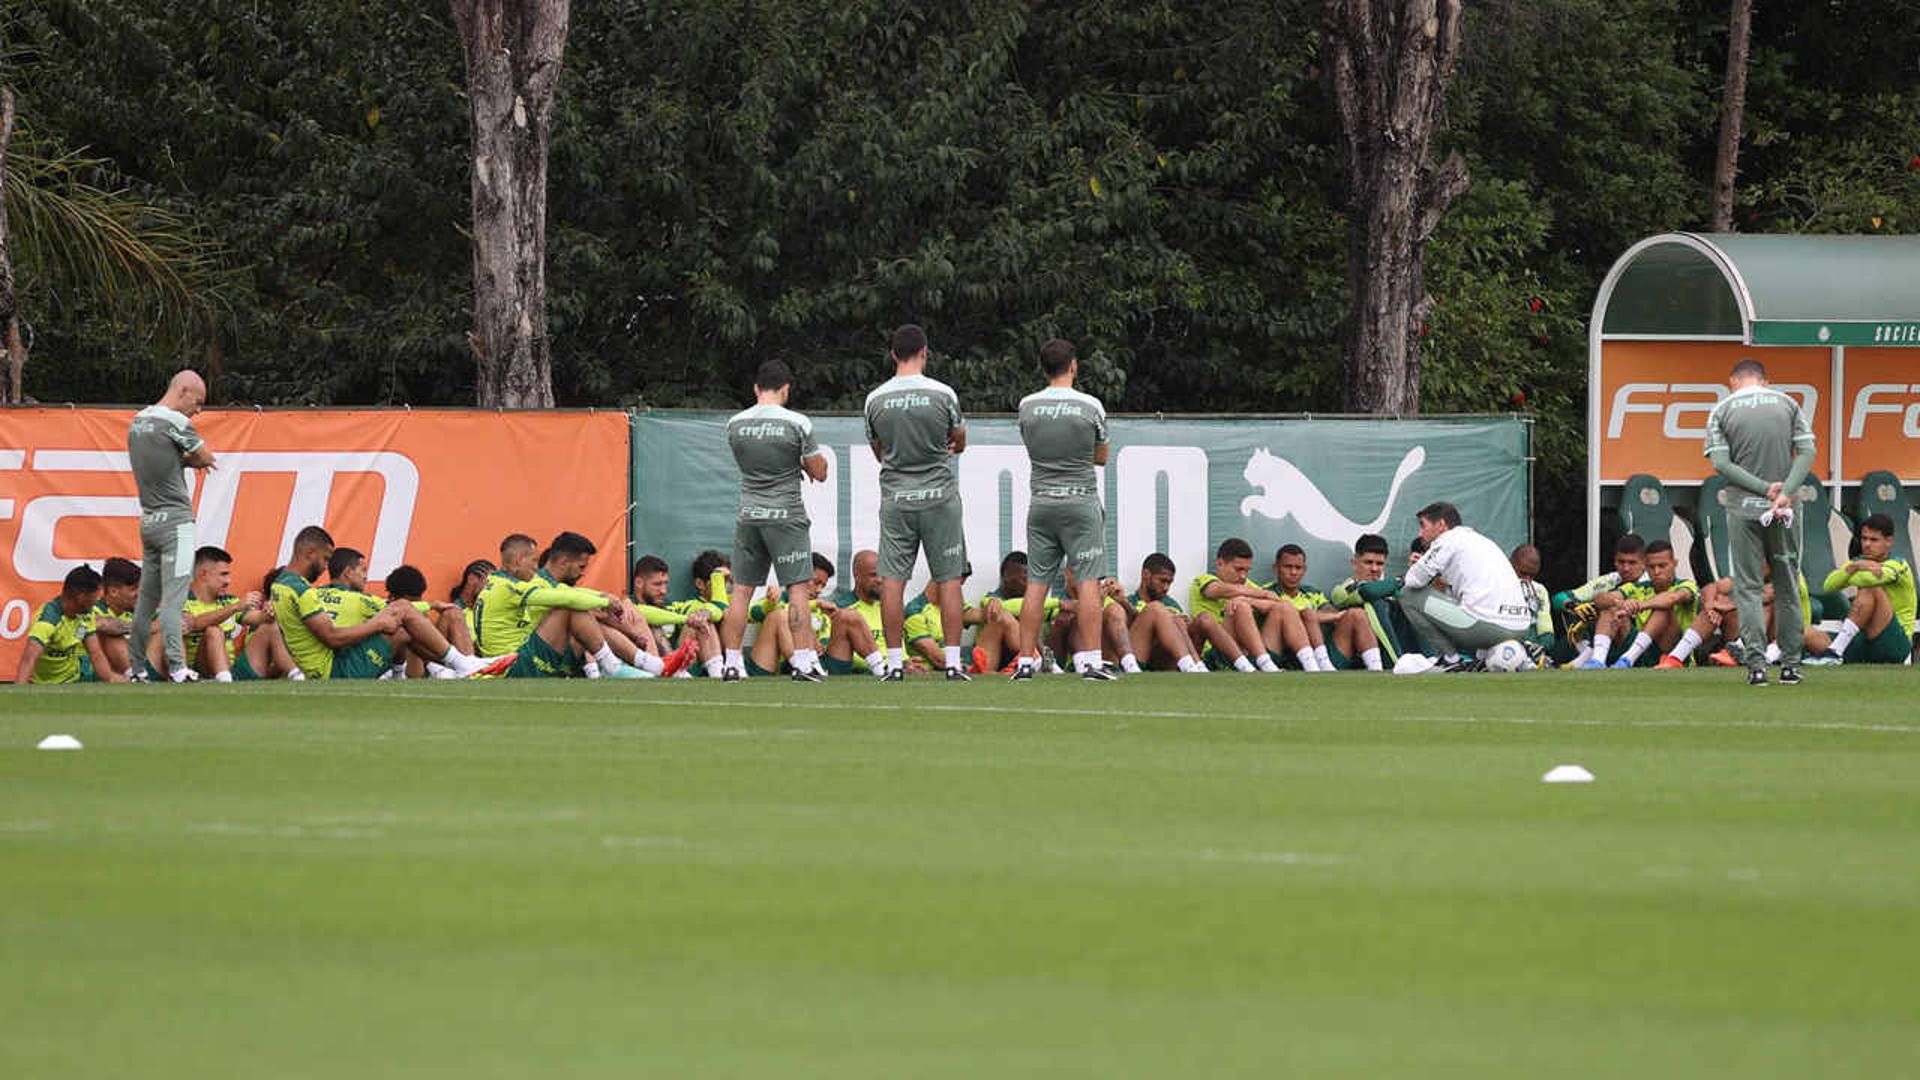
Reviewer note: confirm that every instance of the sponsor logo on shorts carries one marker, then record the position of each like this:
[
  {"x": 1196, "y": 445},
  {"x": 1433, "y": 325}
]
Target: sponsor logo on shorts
[
  {"x": 1091, "y": 553},
  {"x": 1075, "y": 491},
  {"x": 932, "y": 494},
  {"x": 954, "y": 551},
  {"x": 793, "y": 556},
  {"x": 764, "y": 513}
]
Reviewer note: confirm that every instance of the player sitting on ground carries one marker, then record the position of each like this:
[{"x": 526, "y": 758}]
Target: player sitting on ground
[
  {"x": 1227, "y": 609},
  {"x": 345, "y": 598},
  {"x": 406, "y": 584},
  {"x": 1666, "y": 618},
  {"x": 464, "y": 613},
  {"x": 1483, "y": 603},
  {"x": 552, "y": 616},
  {"x": 1011, "y": 598},
  {"x": 1593, "y": 608},
  {"x": 712, "y": 583},
  {"x": 1879, "y": 626},
  {"x": 62, "y": 646},
  {"x": 1526, "y": 564},
  {"x": 230, "y": 638},
  {"x": 1353, "y": 638},
  {"x": 1157, "y": 627},
  {"x": 857, "y": 642},
  {"x": 698, "y": 636},
  {"x": 1370, "y": 593},
  {"x": 322, "y": 648},
  {"x": 774, "y": 645},
  {"x": 925, "y": 629},
  {"x": 113, "y": 614}
]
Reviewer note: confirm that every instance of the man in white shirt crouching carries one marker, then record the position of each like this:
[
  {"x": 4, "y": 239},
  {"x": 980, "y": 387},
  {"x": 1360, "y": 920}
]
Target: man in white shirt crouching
[{"x": 1463, "y": 596}]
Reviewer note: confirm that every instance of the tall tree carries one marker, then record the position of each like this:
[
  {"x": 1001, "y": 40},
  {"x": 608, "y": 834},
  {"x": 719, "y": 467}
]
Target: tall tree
[
  {"x": 10, "y": 337},
  {"x": 513, "y": 51},
  {"x": 1389, "y": 63},
  {"x": 1733, "y": 107}
]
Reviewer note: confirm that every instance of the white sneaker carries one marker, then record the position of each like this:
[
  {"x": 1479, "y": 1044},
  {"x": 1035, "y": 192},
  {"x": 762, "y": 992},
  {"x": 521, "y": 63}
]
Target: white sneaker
[{"x": 185, "y": 675}]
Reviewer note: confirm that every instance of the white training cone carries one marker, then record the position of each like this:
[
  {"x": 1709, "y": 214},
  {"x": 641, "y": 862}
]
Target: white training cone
[
  {"x": 1567, "y": 774},
  {"x": 59, "y": 742}
]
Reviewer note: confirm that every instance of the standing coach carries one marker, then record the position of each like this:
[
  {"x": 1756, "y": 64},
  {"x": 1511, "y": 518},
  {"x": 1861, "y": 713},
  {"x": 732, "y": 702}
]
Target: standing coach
[
  {"x": 1760, "y": 442},
  {"x": 161, "y": 443}
]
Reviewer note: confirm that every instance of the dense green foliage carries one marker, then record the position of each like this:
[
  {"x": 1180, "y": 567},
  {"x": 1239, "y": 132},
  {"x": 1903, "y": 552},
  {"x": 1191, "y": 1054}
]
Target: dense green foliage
[
  {"x": 1326, "y": 876},
  {"x": 1158, "y": 181}
]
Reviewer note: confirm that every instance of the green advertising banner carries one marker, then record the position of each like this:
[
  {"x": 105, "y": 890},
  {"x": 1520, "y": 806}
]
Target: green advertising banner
[{"x": 1175, "y": 485}]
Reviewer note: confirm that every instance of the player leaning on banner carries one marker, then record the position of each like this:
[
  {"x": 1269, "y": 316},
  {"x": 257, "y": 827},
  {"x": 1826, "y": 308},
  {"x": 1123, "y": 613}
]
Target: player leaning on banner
[
  {"x": 161, "y": 443},
  {"x": 915, "y": 429},
  {"x": 1065, "y": 432},
  {"x": 1760, "y": 442},
  {"x": 1484, "y": 603},
  {"x": 774, "y": 448}
]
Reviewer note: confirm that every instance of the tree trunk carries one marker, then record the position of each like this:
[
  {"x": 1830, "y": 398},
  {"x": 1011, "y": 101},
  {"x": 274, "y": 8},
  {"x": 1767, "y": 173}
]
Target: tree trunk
[
  {"x": 1389, "y": 63},
  {"x": 513, "y": 50},
  {"x": 10, "y": 336},
  {"x": 1733, "y": 108}
]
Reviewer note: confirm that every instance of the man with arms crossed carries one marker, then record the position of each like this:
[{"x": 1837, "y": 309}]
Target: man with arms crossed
[
  {"x": 915, "y": 429},
  {"x": 160, "y": 443},
  {"x": 774, "y": 447},
  {"x": 1065, "y": 432},
  {"x": 1760, "y": 442},
  {"x": 1484, "y": 604}
]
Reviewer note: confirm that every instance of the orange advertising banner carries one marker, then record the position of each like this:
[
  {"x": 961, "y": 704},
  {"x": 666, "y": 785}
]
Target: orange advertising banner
[
  {"x": 1882, "y": 428},
  {"x": 1655, "y": 397},
  {"x": 434, "y": 489}
]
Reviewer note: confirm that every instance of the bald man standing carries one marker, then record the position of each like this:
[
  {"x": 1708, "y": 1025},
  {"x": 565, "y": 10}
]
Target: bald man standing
[{"x": 161, "y": 444}]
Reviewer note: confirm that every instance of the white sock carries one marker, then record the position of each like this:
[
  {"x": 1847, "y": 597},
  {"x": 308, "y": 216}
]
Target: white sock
[
  {"x": 453, "y": 657},
  {"x": 1641, "y": 643},
  {"x": 1689, "y": 641},
  {"x": 896, "y": 659},
  {"x": 716, "y": 667},
  {"x": 592, "y": 671},
  {"x": 1371, "y": 658},
  {"x": 608, "y": 662},
  {"x": 1130, "y": 664},
  {"x": 1265, "y": 663},
  {"x": 1026, "y": 663},
  {"x": 876, "y": 661},
  {"x": 1310, "y": 660},
  {"x": 1773, "y": 652},
  {"x": 181, "y": 675},
  {"x": 732, "y": 660},
  {"x": 296, "y": 675},
  {"x": 1191, "y": 666},
  {"x": 953, "y": 657},
  {"x": 1585, "y": 654},
  {"x": 1320, "y": 654},
  {"x": 1244, "y": 664},
  {"x": 1845, "y": 637},
  {"x": 1084, "y": 660},
  {"x": 804, "y": 660},
  {"x": 223, "y": 676},
  {"x": 1602, "y": 645}
]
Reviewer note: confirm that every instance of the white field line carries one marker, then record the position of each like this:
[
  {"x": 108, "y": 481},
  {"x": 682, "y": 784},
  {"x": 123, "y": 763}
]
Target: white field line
[{"x": 709, "y": 704}]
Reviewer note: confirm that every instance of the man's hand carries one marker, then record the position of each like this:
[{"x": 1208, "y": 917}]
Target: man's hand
[
  {"x": 699, "y": 617},
  {"x": 252, "y": 599},
  {"x": 1773, "y": 491},
  {"x": 1633, "y": 607},
  {"x": 390, "y": 617}
]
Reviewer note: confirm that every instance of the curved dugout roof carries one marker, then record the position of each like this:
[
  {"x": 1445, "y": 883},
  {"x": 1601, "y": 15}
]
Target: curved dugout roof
[{"x": 1766, "y": 289}]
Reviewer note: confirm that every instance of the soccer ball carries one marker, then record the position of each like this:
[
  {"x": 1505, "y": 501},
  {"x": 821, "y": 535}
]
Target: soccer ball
[{"x": 1509, "y": 656}]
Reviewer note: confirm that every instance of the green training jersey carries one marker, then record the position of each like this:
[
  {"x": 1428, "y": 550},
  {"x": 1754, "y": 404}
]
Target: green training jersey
[
  {"x": 158, "y": 442},
  {"x": 347, "y": 607},
  {"x": 912, "y": 418},
  {"x": 102, "y": 611},
  {"x": 1062, "y": 429},
  {"x": 1895, "y": 579},
  {"x": 869, "y": 611},
  {"x": 1684, "y": 612},
  {"x": 62, "y": 639},
  {"x": 228, "y": 628},
  {"x": 1761, "y": 429},
  {"x": 512, "y": 609},
  {"x": 295, "y": 601},
  {"x": 1307, "y": 599},
  {"x": 769, "y": 442},
  {"x": 1018, "y": 604},
  {"x": 1200, "y": 602},
  {"x": 923, "y": 621},
  {"x": 1542, "y": 606},
  {"x": 1136, "y": 601}
]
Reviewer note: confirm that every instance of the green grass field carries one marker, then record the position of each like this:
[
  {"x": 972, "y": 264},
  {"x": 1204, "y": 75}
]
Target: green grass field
[{"x": 1170, "y": 876}]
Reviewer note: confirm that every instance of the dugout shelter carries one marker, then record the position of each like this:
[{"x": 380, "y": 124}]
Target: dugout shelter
[{"x": 1836, "y": 321}]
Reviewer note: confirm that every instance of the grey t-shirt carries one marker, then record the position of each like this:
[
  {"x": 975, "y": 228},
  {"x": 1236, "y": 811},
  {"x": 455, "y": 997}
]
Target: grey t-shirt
[
  {"x": 158, "y": 442},
  {"x": 1761, "y": 429},
  {"x": 769, "y": 443},
  {"x": 911, "y": 417},
  {"x": 1061, "y": 427}
]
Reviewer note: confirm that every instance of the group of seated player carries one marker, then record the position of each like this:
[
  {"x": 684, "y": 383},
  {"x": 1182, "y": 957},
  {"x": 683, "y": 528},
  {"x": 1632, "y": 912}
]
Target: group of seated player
[{"x": 527, "y": 616}]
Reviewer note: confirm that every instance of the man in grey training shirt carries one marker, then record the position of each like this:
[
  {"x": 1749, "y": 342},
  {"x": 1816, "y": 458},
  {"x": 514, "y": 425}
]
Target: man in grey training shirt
[
  {"x": 774, "y": 447},
  {"x": 161, "y": 443},
  {"x": 1760, "y": 442},
  {"x": 1066, "y": 436},
  {"x": 915, "y": 429}
]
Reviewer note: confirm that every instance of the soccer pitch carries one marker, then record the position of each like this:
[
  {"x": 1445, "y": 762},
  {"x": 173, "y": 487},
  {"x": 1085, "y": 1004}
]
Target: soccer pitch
[{"x": 1167, "y": 876}]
